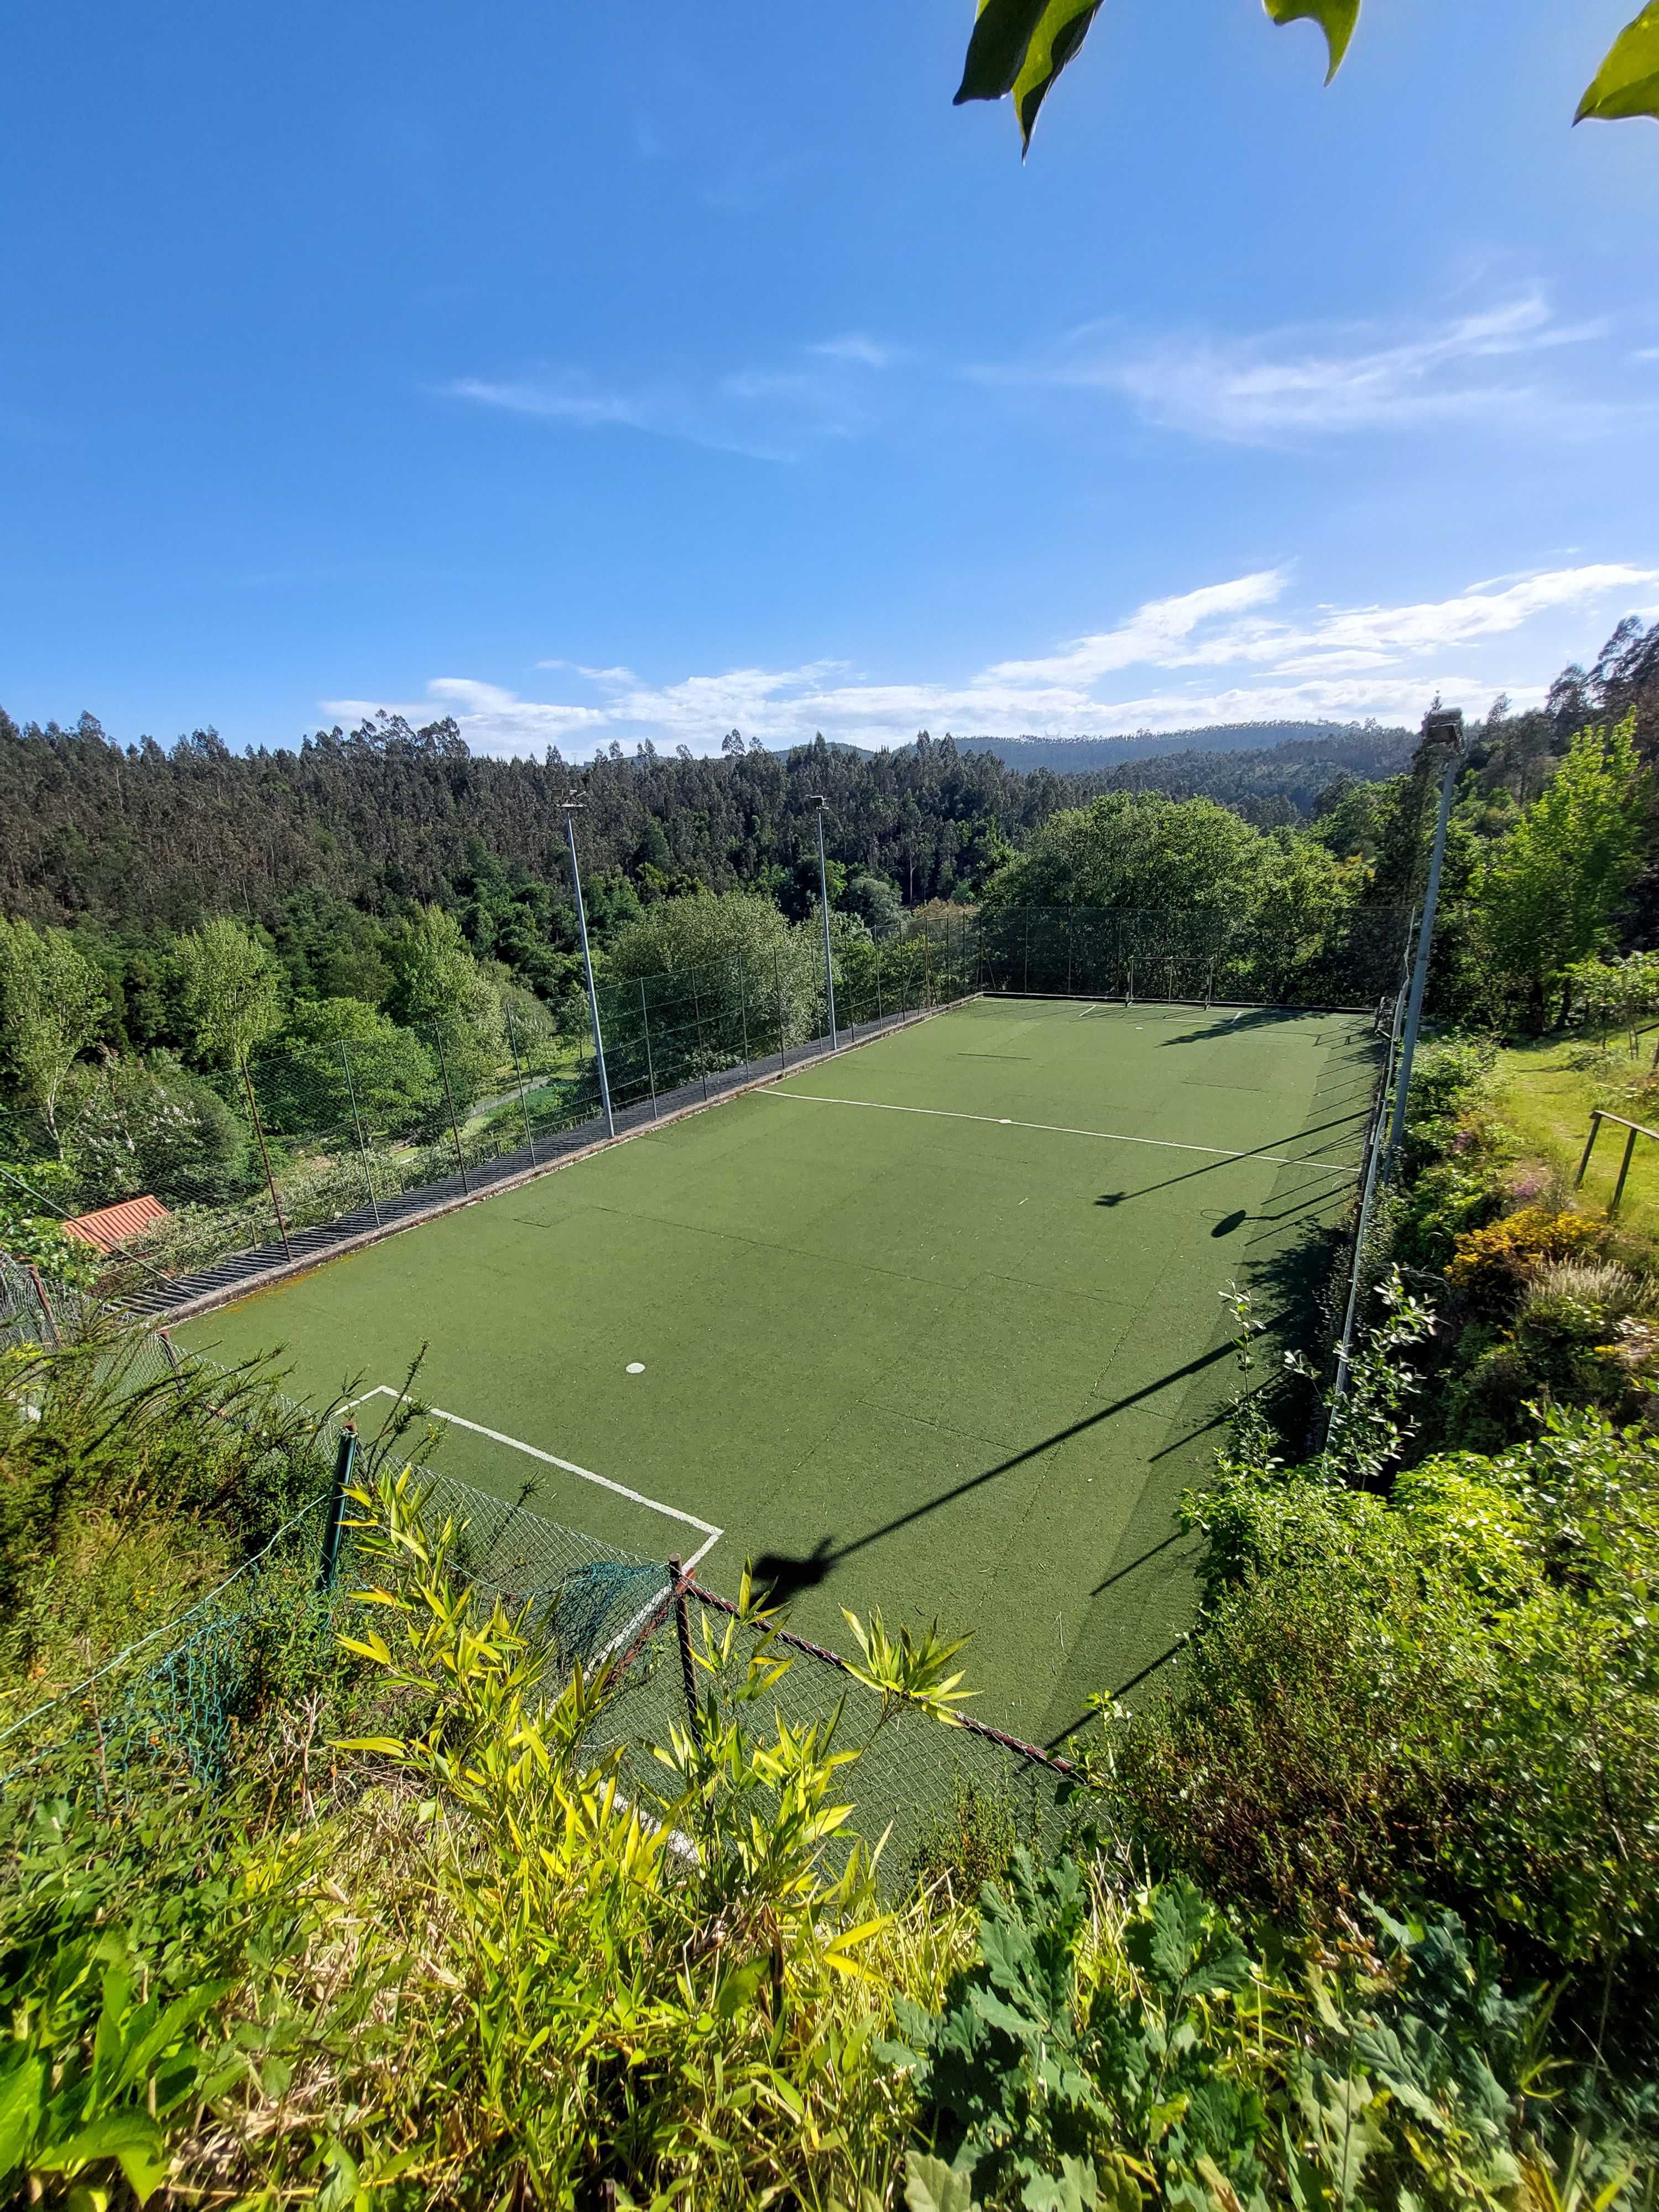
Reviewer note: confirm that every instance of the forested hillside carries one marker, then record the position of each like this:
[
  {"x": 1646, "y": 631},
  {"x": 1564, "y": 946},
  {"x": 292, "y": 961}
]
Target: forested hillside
[{"x": 1097, "y": 756}]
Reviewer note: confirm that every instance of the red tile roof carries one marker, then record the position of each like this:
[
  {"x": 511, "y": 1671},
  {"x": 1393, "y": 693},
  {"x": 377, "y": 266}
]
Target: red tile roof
[{"x": 111, "y": 1226}]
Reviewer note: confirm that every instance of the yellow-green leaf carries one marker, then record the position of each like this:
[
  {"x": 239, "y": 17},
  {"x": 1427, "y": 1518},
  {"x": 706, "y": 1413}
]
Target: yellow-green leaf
[
  {"x": 1060, "y": 31},
  {"x": 1627, "y": 82},
  {"x": 1335, "y": 18}
]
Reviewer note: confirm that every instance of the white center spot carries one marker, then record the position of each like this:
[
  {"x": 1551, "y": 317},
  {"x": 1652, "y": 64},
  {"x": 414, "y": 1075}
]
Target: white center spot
[
  {"x": 1006, "y": 1123},
  {"x": 636, "y": 1367}
]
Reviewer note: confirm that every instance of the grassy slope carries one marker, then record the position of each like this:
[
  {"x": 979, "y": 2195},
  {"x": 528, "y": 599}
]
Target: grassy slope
[{"x": 1547, "y": 1104}]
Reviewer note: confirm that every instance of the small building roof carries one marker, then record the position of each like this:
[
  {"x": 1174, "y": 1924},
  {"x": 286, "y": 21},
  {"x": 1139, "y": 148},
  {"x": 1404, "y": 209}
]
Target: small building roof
[{"x": 111, "y": 1226}]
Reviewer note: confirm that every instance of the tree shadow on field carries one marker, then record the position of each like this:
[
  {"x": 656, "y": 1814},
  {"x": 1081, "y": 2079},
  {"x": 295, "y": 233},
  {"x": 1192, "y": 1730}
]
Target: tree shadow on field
[
  {"x": 785, "y": 1575},
  {"x": 1252, "y": 1017}
]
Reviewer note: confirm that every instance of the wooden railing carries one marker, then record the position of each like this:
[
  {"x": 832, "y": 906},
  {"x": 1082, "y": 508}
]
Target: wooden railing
[{"x": 1637, "y": 1129}]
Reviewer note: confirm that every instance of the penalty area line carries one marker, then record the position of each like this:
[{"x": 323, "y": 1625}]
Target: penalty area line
[
  {"x": 711, "y": 1535},
  {"x": 1061, "y": 1129}
]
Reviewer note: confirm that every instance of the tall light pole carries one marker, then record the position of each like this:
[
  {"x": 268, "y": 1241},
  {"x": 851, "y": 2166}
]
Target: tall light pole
[
  {"x": 571, "y": 805},
  {"x": 823, "y": 902},
  {"x": 1444, "y": 728}
]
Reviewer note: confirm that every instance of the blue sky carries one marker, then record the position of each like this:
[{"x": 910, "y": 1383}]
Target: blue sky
[{"x": 603, "y": 374}]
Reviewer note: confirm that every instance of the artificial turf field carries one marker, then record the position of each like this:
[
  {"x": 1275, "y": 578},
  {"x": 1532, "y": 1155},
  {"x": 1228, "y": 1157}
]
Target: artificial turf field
[{"x": 932, "y": 1326}]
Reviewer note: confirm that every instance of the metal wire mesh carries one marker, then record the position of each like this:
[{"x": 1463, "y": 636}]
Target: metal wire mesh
[
  {"x": 177, "y": 1696},
  {"x": 917, "y": 1784},
  {"x": 1349, "y": 958}
]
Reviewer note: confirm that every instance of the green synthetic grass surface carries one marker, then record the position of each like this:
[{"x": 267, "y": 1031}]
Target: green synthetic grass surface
[{"x": 944, "y": 1362}]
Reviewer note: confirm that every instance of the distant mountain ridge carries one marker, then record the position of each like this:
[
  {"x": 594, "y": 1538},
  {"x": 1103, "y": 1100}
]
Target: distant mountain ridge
[{"x": 1085, "y": 756}]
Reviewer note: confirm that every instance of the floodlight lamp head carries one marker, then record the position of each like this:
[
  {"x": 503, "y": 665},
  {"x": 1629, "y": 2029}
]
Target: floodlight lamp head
[
  {"x": 1444, "y": 726},
  {"x": 817, "y": 799}
]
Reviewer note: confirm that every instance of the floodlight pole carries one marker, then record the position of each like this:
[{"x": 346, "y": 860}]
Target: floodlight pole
[
  {"x": 1444, "y": 728},
  {"x": 823, "y": 901},
  {"x": 571, "y": 805}
]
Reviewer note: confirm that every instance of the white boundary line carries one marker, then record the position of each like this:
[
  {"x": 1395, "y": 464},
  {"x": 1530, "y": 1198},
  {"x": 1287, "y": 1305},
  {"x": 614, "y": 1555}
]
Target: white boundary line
[
  {"x": 711, "y": 1534},
  {"x": 1060, "y": 1129}
]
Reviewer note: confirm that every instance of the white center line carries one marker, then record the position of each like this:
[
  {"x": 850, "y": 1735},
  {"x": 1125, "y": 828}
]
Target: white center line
[{"x": 1061, "y": 1129}]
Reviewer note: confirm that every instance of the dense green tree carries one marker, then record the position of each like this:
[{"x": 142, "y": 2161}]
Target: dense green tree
[
  {"x": 444, "y": 996},
  {"x": 1552, "y": 890},
  {"x": 233, "y": 990},
  {"x": 153, "y": 1127},
  {"x": 51, "y": 1003},
  {"x": 1139, "y": 851},
  {"x": 341, "y": 1061},
  {"x": 704, "y": 960},
  {"x": 875, "y": 901}
]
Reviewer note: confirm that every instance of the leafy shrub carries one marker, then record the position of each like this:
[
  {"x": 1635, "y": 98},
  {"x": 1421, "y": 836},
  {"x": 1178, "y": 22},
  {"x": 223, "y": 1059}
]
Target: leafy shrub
[
  {"x": 1455, "y": 1693},
  {"x": 1098, "y": 2044},
  {"x": 120, "y": 1498},
  {"x": 340, "y": 1062},
  {"x": 1489, "y": 1265},
  {"x": 138, "y": 1127}
]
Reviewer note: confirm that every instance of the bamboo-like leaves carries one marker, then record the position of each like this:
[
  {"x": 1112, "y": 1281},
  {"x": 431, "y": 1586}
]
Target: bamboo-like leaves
[
  {"x": 1627, "y": 82},
  {"x": 910, "y": 1668}
]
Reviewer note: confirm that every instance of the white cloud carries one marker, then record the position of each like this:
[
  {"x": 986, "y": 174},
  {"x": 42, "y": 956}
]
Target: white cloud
[
  {"x": 1317, "y": 663},
  {"x": 1292, "y": 384},
  {"x": 766, "y": 410},
  {"x": 857, "y": 348}
]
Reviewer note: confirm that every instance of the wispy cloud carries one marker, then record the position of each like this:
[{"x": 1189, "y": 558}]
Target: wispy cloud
[
  {"x": 1227, "y": 652},
  {"x": 769, "y": 411},
  {"x": 1292, "y": 385}
]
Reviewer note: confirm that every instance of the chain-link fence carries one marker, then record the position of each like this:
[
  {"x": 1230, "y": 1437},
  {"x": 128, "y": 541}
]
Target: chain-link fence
[
  {"x": 356, "y": 1135},
  {"x": 1346, "y": 957},
  {"x": 177, "y": 1696},
  {"x": 351, "y": 1129}
]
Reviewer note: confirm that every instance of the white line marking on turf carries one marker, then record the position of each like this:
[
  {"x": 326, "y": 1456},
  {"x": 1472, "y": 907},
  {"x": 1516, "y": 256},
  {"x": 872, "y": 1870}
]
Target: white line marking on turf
[
  {"x": 1060, "y": 1129},
  {"x": 711, "y": 1534}
]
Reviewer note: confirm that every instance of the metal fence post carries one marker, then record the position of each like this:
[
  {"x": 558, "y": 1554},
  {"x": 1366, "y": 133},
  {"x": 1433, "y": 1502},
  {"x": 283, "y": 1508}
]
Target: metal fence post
[
  {"x": 777, "y": 971},
  {"x": 518, "y": 1069},
  {"x": 683, "y": 1637},
  {"x": 454, "y": 1126},
  {"x": 650, "y": 1071},
  {"x": 357, "y": 1123},
  {"x": 46, "y": 1313},
  {"x": 743, "y": 1002},
  {"x": 1447, "y": 727},
  {"x": 345, "y": 1461},
  {"x": 697, "y": 1010},
  {"x": 259, "y": 1132}
]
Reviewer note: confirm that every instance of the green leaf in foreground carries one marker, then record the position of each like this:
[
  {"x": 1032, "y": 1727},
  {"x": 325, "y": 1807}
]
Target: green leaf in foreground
[
  {"x": 1061, "y": 30},
  {"x": 1003, "y": 29},
  {"x": 1627, "y": 82},
  {"x": 1335, "y": 18}
]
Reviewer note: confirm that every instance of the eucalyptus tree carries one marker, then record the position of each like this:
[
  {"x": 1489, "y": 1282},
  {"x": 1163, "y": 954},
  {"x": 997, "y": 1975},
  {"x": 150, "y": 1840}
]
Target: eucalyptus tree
[{"x": 51, "y": 1002}]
